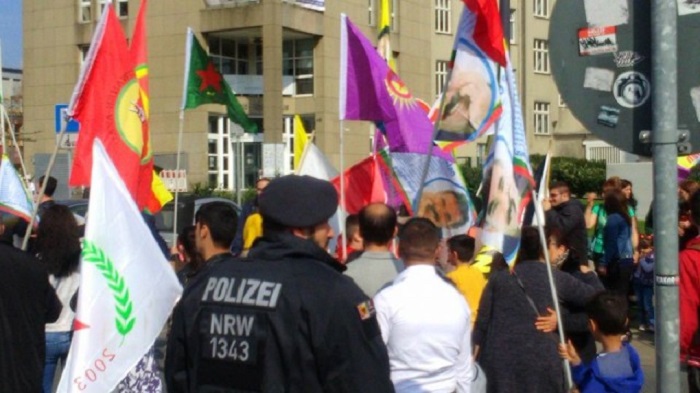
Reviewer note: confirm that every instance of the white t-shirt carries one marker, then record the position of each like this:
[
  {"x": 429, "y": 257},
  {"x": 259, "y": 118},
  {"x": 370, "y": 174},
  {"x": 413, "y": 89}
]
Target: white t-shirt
[
  {"x": 425, "y": 323},
  {"x": 65, "y": 289}
]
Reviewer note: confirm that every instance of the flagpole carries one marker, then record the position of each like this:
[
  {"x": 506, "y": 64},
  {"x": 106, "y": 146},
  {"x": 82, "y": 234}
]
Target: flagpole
[
  {"x": 2, "y": 125},
  {"x": 177, "y": 173},
  {"x": 341, "y": 227},
  {"x": 49, "y": 167},
  {"x": 552, "y": 287}
]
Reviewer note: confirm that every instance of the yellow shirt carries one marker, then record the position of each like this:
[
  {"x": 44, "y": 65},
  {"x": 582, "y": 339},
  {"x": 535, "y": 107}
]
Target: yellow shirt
[
  {"x": 470, "y": 282},
  {"x": 252, "y": 230}
]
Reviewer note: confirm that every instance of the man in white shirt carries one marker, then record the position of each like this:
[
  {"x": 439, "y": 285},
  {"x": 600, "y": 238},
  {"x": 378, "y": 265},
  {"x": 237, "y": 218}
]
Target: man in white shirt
[{"x": 425, "y": 322}]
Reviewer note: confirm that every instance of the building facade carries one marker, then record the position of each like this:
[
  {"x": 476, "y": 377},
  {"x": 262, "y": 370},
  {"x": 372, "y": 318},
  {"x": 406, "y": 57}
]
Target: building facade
[
  {"x": 11, "y": 99},
  {"x": 282, "y": 59}
]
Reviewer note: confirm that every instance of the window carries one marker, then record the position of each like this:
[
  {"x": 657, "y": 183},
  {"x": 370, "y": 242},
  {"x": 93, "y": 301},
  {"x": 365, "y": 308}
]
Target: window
[
  {"x": 541, "y": 8},
  {"x": 82, "y": 52},
  {"x": 443, "y": 19},
  {"x": 440, "y": 76},
  {"x": 103, "y": 3},
  {"x": 480, "y": 153},
  {"x": 298, "y": 61},
  {"x": 562, "y": 104},
  {"x": 220, "y": 158},
  {"x": 84, "y": 11},
  {"x": 122, "y": 8},
  {"x": 512, "y": 26},
  {"x": 229, "y": 56},
  {"x": 541, "y": 118},
  {"x": 371, "y": 13},
  {"x": 394, "y": 15},
  {"x": 541, "y": 52}
]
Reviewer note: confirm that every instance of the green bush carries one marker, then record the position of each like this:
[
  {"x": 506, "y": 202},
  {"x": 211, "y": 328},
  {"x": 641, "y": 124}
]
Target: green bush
[
  {"x": 581, "y": 175},
  {"x": 202, "y": 190}
]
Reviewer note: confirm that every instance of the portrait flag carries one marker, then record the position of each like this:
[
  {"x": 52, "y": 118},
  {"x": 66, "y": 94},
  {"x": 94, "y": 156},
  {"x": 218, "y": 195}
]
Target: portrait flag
[
  {"x": 14, "y": 197},
  {"x": 471, "y": 102},
  {"x": 119, "y": 315},
  {"x": 301, "y": 138},
  {"x": 204, "y": 84},
  {"x": 110, "y": 102},
  {"x": 507, "y": 176},
  {"x": 370, "y": 90}
]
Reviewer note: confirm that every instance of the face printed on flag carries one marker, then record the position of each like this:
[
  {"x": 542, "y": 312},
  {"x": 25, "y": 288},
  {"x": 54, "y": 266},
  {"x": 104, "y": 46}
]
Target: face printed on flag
[{"x": 469, "y": 98}]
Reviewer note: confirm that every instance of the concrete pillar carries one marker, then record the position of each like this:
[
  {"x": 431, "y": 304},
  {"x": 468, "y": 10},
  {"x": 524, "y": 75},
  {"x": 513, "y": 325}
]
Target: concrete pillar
[{"x": 272, "y": 70}]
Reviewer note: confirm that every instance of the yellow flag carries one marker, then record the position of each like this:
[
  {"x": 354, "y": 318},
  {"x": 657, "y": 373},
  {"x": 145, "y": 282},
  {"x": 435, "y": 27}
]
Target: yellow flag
[
  {"x": 383, "y": 40},
  {"x": 160, "y": 191},
  {"x": 301, "y": 138}
]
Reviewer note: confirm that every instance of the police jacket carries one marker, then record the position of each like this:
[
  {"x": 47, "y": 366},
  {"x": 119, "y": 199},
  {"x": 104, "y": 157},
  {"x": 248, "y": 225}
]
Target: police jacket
[{"x": 283, "y": 320}]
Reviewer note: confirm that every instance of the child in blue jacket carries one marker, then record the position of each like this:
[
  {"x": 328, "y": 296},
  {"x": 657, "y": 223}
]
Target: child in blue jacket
[{"x": 617, "y": 369}]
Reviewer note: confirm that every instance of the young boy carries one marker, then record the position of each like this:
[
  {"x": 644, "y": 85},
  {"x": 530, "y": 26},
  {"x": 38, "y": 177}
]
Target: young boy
[{"x": 617, "y": 368}]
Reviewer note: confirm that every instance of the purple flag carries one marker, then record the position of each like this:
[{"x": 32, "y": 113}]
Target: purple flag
[{"x": 370, "y": 90}]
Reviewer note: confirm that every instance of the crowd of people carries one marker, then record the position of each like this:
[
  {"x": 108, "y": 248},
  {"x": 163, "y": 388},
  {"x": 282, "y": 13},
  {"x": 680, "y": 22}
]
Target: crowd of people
[{"x": 267, "y": 307}]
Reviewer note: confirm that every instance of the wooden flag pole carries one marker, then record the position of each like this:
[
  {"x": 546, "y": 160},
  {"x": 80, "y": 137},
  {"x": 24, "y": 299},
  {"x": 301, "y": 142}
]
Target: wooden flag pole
[{"x": 177, "y": 173}]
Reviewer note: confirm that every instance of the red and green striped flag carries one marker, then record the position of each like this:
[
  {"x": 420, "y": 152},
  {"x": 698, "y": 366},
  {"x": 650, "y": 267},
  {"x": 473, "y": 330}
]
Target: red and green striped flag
[{"x": 204, "y": 84}]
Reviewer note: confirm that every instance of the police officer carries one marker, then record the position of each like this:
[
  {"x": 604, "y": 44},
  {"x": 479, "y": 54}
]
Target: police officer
[{"x": 283, "y": 320}]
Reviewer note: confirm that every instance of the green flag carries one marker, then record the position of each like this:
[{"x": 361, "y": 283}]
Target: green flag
[{"x": 204, "y": 84}]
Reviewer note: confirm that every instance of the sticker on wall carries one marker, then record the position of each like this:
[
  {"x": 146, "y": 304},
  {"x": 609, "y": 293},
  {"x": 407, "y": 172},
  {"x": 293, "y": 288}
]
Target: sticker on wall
[
  {"x": 631, "y": 89},
  {"x": 606, "y": 12},
  {"x": 608, "y": 116},
  {"x": 695, "y": 97},
  {"x": 597, "y": 40},
  {"x": 687, "y": 7},
  {"x": 627, "y": 58},
  {"x": 598, "y": 79}
]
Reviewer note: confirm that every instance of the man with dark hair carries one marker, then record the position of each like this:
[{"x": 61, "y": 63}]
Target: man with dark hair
[
  {"x": 46, "y": 199},
  {"x": 377, "y": 266},
  {"x": 567, "y": 214},
  {"x": 27, "y": 304},
  {"x": 354, "y": 247},
  {"x": 469, "y": 280},
  {"x": 424, "y": 320},
  {"x": 214, "y": 229},
  {"x": 283, "y": 320}
]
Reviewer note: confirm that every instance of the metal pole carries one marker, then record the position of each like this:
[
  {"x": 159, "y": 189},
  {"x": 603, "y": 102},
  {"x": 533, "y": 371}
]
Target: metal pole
[
  {"x": 555, "y": 297},
  {"x": 177, "y": 173},
  {"x": 344, "y": 237},
  {"x": 664, "y": 80}
]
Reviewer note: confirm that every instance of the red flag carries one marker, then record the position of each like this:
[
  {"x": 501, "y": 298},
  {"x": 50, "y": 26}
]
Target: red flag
[
  {"x": 363, "y": 185},
  {"x": 488, "y": 31},
  {"x": 109, "y": 103}
]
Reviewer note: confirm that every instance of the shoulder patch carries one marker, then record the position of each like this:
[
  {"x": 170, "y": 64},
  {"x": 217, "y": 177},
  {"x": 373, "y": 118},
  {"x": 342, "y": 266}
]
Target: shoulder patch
[{"x": 366, "y": 309}]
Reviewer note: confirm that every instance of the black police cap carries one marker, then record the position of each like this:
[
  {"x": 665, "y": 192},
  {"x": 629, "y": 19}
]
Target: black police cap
[{"x": 298, "y": 201}]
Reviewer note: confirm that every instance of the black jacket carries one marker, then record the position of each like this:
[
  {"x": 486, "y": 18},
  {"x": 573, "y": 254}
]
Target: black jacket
[
  {"x": 27, "y": 304},
  {"x": 282, "y": 320},
  {"x": 568, "y": 217}
]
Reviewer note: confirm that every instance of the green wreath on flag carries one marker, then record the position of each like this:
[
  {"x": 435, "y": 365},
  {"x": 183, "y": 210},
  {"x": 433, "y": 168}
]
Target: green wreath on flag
[{"x": 124, "y": 306}]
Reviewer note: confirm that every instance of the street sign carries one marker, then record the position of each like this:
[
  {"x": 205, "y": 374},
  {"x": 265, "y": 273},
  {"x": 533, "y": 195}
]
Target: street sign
[
  {"x": 68, "y": 141},
  {"x": 61, "y": 120},
  {"x": 600, "y": 54}
]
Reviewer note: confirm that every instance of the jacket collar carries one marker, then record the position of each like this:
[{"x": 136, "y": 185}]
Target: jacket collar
[{"x": 287, "y": 246}]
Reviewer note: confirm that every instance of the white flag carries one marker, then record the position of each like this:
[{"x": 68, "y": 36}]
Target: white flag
[
  {"x": 14, "y": 198},
  {"x": 127, "y": 288},
  {"x": 315, "y": 164}
]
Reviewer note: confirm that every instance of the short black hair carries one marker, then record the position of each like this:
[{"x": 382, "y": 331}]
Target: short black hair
[
  {"x": 463, "y": 245},
  {"x": 609, "y": 311},
  {"x": 352, "y": 224},
  {"x": 561, "y": 185},
  {"x": 221, "y": 219},
  {"x": 51, "y": 185},
  {"x": 694, "y": 203},
  {"x": 419, "y": 238},
  {"x": 377, "y": 223}
]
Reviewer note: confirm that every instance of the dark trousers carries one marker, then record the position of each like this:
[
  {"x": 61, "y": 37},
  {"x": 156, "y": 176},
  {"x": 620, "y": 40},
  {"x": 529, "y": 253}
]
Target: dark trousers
[
  {"x": 693, "y": 379},
  {"x": 618, "y": 278}
]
